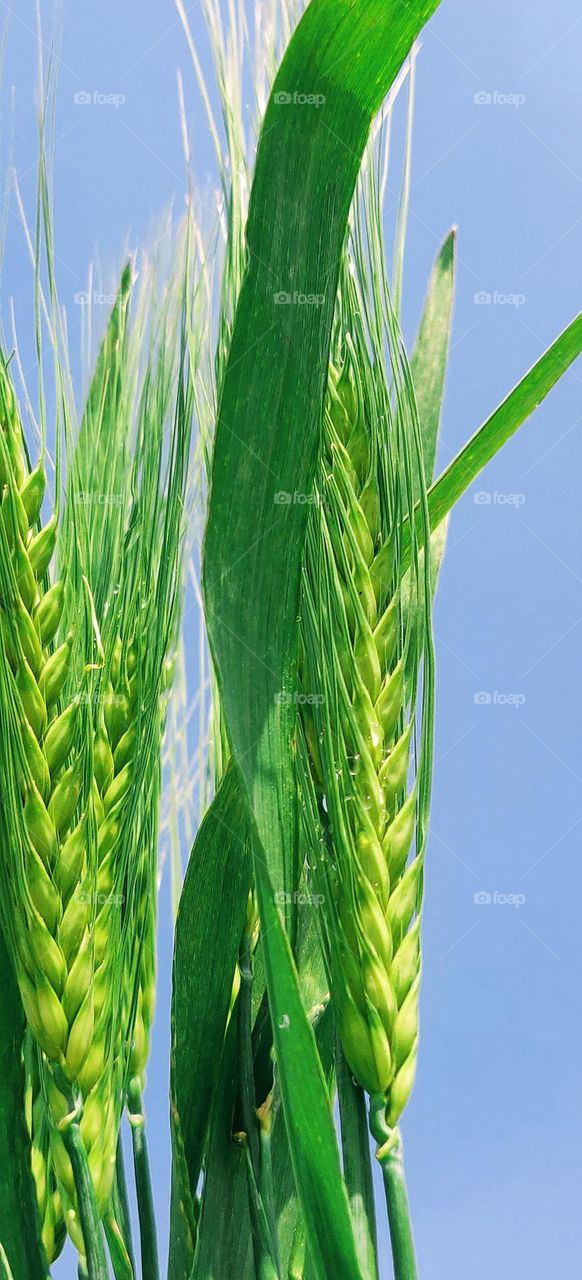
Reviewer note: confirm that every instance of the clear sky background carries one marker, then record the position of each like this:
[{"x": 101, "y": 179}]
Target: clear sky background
[{"x": 494, "y": 1131}]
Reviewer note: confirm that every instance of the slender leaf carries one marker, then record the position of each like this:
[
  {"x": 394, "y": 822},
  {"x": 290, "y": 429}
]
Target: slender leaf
[
  {"x": 224, "y": 1245},
  {"x": 313, "y": 986},
  {"x": 428, "y": 363},
  {"x": 504, "y": 422},
  {"x": 339, "y": 65},
  {"x": 306, "y": 1102},
  {"x": 208, "y": 932}
]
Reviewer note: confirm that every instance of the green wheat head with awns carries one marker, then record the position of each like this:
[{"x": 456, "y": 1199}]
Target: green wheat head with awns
[
  {"x": 84, "y": 677},
  {"x": 367, "y": 725}
]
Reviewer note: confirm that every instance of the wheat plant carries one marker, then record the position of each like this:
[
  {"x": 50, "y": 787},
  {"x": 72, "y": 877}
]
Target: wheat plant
[{"x": 301, "y": 441}]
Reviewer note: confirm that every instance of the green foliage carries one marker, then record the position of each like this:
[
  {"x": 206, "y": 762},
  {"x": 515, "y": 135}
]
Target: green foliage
[
  {"x": 324, "y": 539},
  {"x": 208, "y": 932}
]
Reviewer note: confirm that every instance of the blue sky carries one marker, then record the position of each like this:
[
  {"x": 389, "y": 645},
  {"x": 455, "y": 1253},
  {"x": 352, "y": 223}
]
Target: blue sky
[{"x": 494, "y": 1132}]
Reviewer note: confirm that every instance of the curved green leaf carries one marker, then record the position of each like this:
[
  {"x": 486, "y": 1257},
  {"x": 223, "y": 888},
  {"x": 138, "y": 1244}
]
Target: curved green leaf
[
  {"x": 339, "y": 65},
  {"x": 208, "y": 932},
  {"x": 221, "y": 1250},
  {"x": 306, "y": 1102},
  {"x": 19, "y": 1231}
]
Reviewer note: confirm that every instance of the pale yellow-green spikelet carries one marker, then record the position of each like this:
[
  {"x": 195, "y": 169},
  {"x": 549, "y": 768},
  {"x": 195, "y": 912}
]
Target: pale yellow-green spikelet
[
  {"x": 115, "y": 753},
  {"x": 53, "y": 1230},
  {"x": 90, "y": 1057},
  {"x": 55, "y": 949},
  {"x": 358, "y": 737},
  {"x": 50, "y": 791}
]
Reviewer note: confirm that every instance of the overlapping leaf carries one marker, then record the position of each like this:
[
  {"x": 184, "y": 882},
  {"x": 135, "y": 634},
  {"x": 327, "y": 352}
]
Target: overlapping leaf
[
  {"x": 338, "y": 67},
  {"x": 208, "y": 933}
]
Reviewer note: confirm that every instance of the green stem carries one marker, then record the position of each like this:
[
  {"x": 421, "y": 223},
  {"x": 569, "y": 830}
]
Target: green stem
[
  {"x": 120, "y": 1203},
  {"x": 145, "y": 1200},
  {"x": 88, "y": 1212},
  {"x": 391, "y": 1160},
  {"x": 399, "y": 1216}
]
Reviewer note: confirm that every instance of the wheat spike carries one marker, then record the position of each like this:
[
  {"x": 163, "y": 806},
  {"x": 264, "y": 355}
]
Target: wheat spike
[
  {"x": 362, "y": 654},
  {"x": 60, "y": 925}
]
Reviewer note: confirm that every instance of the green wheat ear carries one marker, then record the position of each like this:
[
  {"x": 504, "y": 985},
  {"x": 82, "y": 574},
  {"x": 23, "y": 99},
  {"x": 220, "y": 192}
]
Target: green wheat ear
[
  {"x": 57, "y": 838},
  {"x": 363, "y": 653}
]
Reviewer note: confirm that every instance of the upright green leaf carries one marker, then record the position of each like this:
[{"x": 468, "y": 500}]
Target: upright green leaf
[
  {"x": 428, "y": 363},
  {"x": 428, "y": 366},
  {"x": 19, "y": 1230},
  {"x": 306, "y": 1102},
  {"x": 208, "y": 932},
  {"x": 339, "y": 65},
  {"x": 337, "y": 69},
  {"x": 224, "y": 1249},
  {"x": 504, "y": 422}
]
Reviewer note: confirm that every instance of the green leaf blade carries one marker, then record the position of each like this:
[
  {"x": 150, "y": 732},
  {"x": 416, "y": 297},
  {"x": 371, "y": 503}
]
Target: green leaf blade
[
  {"x": 341, "y": 62},
  {"x": 306, "y": 1103},
  {"x": 208, "y": 932},
  {"x": 504, "y": 422},
  {"x": 428, "y": 363},
  {"x": 344, "y": 56}
]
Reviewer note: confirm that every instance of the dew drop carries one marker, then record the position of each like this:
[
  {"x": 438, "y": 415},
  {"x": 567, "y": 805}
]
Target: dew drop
[{"x": 284, "y": 1022}]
